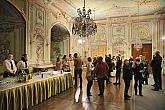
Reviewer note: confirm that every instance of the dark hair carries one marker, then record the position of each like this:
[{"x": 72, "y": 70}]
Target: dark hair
[
  {"x": 9, "y": 54},
  {"x": 70, "y": 55},
  {"x": 137, "y": 59},
  {"x": 89, "y": 59},
  {"x": 64, "y": 56},
  {"x": 58, "y": 59},
  {"x": 125, "y": 61},
  {"x": 23, "y": 57},
  {"x": 75, "y": 54},
  {"x": 157, "y": 53},
  {"x": 100, "y": 59}
]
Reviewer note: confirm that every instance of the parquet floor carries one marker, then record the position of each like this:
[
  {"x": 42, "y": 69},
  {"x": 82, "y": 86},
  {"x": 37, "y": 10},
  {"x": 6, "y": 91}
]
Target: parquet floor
[{"x": 76, "y": 99}]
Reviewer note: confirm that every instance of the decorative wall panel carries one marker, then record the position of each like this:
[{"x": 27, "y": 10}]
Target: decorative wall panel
[
  {"x": 119, "y": 38},
  {"x": 142, "y": 30},
  {"x": 118, "y": 30}
]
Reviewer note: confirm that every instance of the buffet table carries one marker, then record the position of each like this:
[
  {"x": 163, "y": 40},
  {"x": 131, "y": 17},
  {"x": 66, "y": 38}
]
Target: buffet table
[
  {"x": 18, "y": 96},
  {"x": 43, "y": 68}
]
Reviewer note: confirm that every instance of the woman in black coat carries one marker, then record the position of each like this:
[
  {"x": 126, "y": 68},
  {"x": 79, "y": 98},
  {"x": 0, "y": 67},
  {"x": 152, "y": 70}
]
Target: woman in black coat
[{"x": 127, "y": 76}]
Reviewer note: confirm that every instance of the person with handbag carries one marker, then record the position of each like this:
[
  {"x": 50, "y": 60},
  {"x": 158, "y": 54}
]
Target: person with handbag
[
  {"x": 89, "y": 76},
  {"x": 101, "y": 72}
]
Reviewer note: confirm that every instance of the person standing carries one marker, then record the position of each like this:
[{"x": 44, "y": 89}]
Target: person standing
[
  {"x": 9, "y": 66},
  {"x": 156, "y": 69},
  {"x": 127, "y": 76},
  {"x": 89, "y": 76},
  {"x": 131, "y": 61},
  {"x": 101, "y": 71},
  {"x": 78, "y": 69},
  {"x": 58, "y": 64},
  {"x": 23, "y": 64},
  {"x": 95, "y": 61},
  {"x": 108, "y": 60},
  {"x": 118, "y": 68},
  {"x": 71, "y": 64},
  {"x": 145, "y": 68},
  {"x": 138, "y": 69},
  {"x": 65, "y": 65}
]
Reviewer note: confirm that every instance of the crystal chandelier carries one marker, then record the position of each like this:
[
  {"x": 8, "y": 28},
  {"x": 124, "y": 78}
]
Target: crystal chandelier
[
  {"x": 84, "y": 25},
  {"x": 138, "y": 43}
]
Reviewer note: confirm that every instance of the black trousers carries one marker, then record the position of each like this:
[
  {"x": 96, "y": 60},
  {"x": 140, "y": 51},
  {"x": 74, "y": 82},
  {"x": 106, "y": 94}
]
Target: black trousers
[
  {"x": 108, "y": 74},
  {"x": 158, "y": 79},
  {"x": 127, "y": 85},
  {"x": 78, "y": 71},
  {"x": 118, "y": 72},
  {"x": 89, "y": 85},
  {"x": 154, "y": 76},
  {"x": 145, "y": 78},
  {"x": 101, "y": 85},
  {"x": 138, "y": 82},
  {"x": 7, "y": 74}
]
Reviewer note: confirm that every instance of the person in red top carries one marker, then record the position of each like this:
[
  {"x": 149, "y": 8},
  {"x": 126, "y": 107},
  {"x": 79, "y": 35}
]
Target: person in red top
[{"x": 100, "y": 71}]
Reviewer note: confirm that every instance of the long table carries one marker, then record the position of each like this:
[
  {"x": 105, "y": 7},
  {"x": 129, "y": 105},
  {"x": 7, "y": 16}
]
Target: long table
[{"x": 18, "y": 96}]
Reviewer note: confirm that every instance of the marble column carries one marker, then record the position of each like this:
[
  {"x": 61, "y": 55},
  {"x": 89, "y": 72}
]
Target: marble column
[
  {"x": 155, "y": 36},
  {"x": 109, "y": 36}
]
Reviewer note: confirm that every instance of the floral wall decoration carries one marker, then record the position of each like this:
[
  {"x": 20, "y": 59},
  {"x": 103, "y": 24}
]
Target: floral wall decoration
[{"x": 142, "y": 30}]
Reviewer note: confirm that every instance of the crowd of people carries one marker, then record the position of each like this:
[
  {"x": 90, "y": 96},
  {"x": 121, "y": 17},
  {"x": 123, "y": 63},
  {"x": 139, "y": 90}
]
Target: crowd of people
[
  {"x": 100, "y": 70},
  {"x": 139, "y": 68}
]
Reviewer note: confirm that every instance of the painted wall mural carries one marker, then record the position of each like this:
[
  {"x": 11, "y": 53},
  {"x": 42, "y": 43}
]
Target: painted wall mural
[
  {"x": 118, "y": 30},
  {"x": 142, "y": 30},
  {"x": 4, "y": 48},
  {"x": 12, "y": 31},
  {"x": 119, "y": 39},
  {"x": 39, "y": 48},
  {"x": 101, "y": 35}
]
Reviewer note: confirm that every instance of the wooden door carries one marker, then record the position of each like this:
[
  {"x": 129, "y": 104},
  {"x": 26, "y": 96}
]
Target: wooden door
[{"x": 145, "y": 51}]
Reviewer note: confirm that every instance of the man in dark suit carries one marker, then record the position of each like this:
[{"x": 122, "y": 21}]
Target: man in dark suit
[
  {"x": 156, "y": 69},
  {"x": 118, "y": 68}
]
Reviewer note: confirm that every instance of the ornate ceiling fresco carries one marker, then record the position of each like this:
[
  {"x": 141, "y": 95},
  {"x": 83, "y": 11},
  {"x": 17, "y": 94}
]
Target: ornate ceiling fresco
[{"x": 111, "y": 8}]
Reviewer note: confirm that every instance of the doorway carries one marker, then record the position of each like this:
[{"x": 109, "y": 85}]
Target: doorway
[{"x": 145, "y": 51}]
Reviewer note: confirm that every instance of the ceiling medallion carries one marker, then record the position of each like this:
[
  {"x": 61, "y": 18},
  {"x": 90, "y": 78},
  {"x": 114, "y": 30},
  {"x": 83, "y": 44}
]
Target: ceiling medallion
[{"x": 84, "y": 25}]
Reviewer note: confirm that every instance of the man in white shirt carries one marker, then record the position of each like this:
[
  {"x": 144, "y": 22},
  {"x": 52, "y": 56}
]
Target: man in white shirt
[{"x": 9, "y": 66}]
